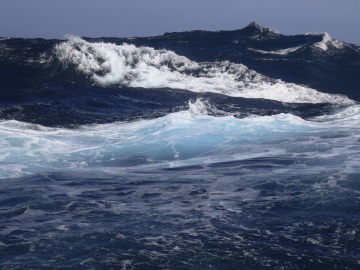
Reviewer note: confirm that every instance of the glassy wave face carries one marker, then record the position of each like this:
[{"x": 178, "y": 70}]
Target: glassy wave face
[{"x": 194, "y": 150}]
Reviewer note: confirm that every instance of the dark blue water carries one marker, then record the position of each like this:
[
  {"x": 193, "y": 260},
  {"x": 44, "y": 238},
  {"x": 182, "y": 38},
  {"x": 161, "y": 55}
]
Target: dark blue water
[{"x": 194, "y": 150}]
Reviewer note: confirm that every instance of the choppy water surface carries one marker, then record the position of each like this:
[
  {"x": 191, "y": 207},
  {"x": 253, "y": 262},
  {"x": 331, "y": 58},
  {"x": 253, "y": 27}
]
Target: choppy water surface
[{"x": 154, "y": 153}]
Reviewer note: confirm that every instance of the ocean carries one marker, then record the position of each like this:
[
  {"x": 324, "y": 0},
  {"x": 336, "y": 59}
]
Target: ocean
[{"x": 191, "y": 150}]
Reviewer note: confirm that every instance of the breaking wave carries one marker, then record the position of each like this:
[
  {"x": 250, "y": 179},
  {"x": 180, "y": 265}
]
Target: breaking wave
[{"x": 108, "y": 64}]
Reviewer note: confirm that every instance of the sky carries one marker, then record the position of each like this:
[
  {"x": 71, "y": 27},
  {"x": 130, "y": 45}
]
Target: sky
[{"x": 129, "y": 18}]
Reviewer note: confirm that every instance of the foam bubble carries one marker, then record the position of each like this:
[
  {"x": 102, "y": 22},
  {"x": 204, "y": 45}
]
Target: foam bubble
[{"x": 109, "y": 64}]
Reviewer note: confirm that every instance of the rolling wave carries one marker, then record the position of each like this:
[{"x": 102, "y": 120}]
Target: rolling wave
[{"x": 177, "y": 139}]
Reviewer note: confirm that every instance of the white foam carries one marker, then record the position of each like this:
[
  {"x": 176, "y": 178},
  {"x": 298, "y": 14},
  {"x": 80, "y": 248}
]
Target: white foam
[
  {"x": 278, "y": 52},
  {"x": 108, "y": 64}
]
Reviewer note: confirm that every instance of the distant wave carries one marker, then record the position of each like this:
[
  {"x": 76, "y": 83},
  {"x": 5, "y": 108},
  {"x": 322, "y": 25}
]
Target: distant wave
[{"x": 108, "y": 64}]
